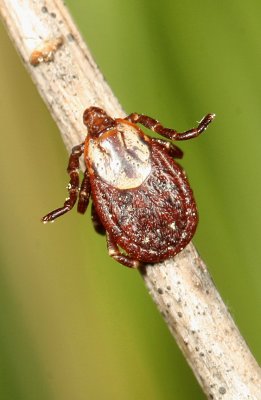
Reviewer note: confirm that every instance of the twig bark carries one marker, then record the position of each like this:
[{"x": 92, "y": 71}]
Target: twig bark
[{"x": 69, "y": 81}]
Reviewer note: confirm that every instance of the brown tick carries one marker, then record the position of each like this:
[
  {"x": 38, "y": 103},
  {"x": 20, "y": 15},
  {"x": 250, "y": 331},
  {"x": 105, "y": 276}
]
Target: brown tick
[{"x": 141, "y": 197}]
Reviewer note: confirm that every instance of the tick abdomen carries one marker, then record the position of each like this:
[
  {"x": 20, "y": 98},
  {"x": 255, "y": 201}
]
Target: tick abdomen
[{"x": 149, "y": 221}]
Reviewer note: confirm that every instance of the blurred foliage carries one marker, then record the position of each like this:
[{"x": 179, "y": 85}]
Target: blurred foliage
[{"x": 75, "y": 324}]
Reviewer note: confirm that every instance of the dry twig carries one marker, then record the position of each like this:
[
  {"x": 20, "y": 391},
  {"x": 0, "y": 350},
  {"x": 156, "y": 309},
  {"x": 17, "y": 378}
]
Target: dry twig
[{"x": 69, "y": 81}]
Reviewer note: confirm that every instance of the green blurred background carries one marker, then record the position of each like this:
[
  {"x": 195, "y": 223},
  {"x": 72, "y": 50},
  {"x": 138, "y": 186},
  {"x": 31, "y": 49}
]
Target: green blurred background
[{"x": 74, "y": 323}]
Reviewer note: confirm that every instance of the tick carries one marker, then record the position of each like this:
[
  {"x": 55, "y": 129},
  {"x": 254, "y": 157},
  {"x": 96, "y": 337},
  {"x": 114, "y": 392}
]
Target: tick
[{"x": 141, "y": 198}]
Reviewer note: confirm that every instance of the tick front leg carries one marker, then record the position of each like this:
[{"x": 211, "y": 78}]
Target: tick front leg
[
  {"x": 73, "y": 186},
  {"x": 174, "y": 151},
  {"x": 115, "y": 253},
  {"x": 172, "y": 134}
]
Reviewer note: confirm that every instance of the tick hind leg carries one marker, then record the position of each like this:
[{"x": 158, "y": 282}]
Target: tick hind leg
[
  {"x": 172, "y": 134},
  {"x": 73, "y": 186},
  {"x": 115, "y": 253},
  {"x": 99, "y": 228}
]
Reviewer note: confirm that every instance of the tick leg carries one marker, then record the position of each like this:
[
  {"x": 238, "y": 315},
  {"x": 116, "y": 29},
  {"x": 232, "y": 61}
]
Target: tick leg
[
  {"x": 99, "y": 228},
  {"x": 118, "y": 256},
  {"x": 73, "y": 186},
  {"x": 174, "y": 151},
  {"x": 156, "y": 126},
  {"x": 84, "y": 194}
]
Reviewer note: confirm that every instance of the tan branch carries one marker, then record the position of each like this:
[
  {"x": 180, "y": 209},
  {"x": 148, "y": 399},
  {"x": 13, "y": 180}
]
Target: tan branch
[{"x": 69, "y": 81}]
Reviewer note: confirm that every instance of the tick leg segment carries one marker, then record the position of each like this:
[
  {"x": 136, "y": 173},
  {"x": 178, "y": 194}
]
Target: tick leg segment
[
  {"x": 84, "y": 194},
  {"x": 99, "y": 228},
  {"x": 156, "y": 126},
  {"x": 174, "y": 151},
  {"x": 73, "y": 186},
  {"x": 115, "y": 253}
]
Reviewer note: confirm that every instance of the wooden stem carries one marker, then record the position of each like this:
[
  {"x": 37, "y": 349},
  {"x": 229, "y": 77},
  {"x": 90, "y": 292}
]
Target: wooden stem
[{"x": 69, "y": 81}]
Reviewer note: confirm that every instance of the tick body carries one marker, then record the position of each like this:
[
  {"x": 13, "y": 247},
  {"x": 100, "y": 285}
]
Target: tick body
[{"x": 140, "y": 195}]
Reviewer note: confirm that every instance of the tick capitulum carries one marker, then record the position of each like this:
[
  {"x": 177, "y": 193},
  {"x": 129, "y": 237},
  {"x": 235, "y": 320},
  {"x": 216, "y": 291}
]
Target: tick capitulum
[{"x": 141, "y": 198}]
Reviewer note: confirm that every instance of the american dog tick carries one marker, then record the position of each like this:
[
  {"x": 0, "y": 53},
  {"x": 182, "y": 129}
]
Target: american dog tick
[{"x": 140, "y": 196}]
